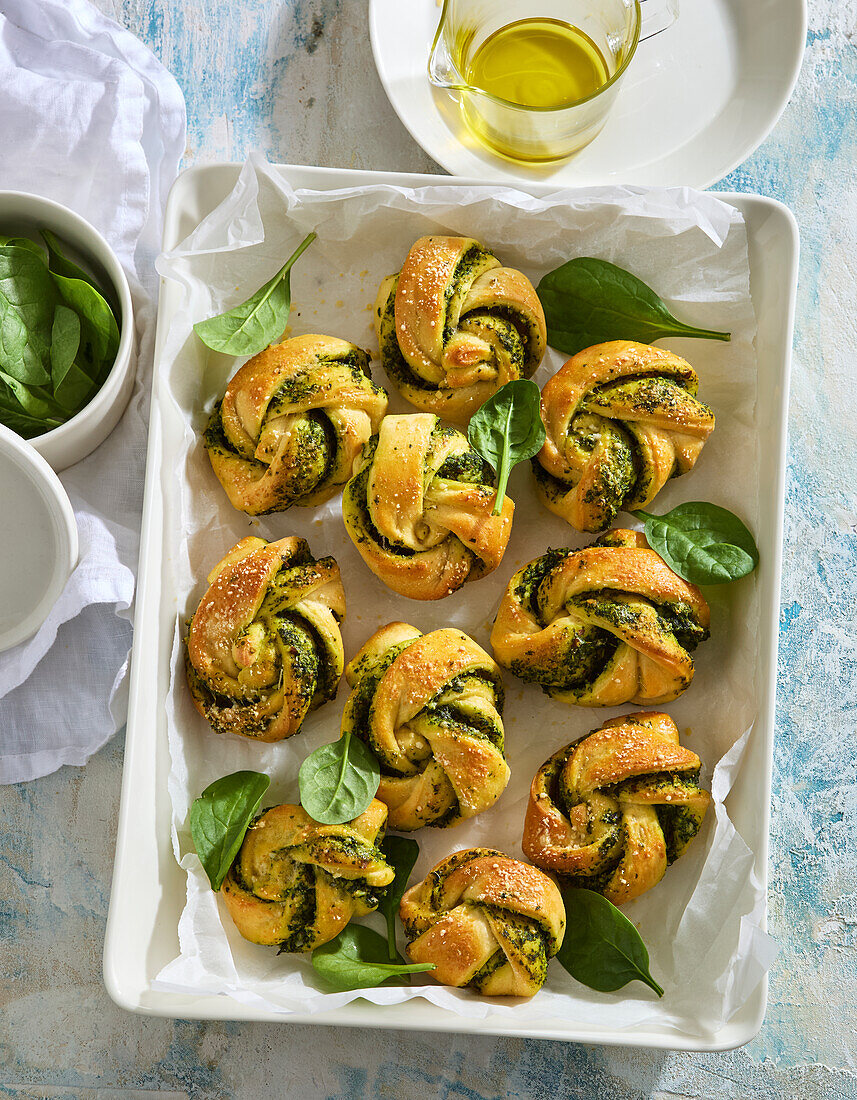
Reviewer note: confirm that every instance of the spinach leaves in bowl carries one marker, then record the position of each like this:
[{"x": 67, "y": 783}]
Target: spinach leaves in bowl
[{"x": 58, "y": 335}]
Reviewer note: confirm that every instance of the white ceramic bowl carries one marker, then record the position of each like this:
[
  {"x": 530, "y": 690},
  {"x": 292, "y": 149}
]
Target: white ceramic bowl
[
  {"x": 23, "y": 215},
  {"x": 38, "y": 539}
]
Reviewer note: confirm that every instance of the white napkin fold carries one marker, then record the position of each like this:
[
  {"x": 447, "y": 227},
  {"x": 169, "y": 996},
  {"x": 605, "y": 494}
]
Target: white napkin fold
[{"x": 89, "y": 118}]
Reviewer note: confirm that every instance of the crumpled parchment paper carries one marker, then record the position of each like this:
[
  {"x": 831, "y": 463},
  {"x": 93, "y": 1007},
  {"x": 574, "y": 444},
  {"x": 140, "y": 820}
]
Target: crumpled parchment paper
[{"x": 703, "y": 923}]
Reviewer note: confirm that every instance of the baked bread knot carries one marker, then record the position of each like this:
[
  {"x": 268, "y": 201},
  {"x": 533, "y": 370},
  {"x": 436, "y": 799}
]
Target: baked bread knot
[
  {"x": 429, "y": 707},
  {"x": 292, "y": 423},
  {"x": 419, "y": 509},
  {"x": 454, "y": 326},
  {"x": 602, "y": 626},
  {"x": 611, "y": 811},
  {"x": 621, "y": 419},
  {"x": 486, "y": 921},
  {"x": 297, "y": 883},
  {"x": 264, "y": 646}
]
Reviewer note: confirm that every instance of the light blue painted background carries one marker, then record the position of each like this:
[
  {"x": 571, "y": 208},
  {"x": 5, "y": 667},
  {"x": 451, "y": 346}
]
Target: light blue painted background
[{"x": 295, "y": 79}]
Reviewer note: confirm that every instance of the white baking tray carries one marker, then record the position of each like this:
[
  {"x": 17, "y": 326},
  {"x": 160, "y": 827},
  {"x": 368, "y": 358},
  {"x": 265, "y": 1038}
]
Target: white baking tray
[{"x": 148, "y": 885}]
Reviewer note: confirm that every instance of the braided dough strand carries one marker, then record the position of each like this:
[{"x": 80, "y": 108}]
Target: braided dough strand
[
  {"x": 621, "y": 419},
  {"x": 602, "y": 626},
  {"x": 454, "y": 326},
  {"x": 264, "y": 646},
  {"x": 611, "y": 811},
  {"x": 292, "y": 424},
  {"x": 485, "y": 920},
  {"x": 297, "y": 883},
  {"x": 429, "y": 706},
  {"x": 419, "y": 510}
]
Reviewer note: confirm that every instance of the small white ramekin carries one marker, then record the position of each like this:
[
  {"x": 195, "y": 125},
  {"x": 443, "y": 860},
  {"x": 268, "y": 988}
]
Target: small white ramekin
[
  {"x": 38, "y": 539},
  {"x": 23, "y": 214}
]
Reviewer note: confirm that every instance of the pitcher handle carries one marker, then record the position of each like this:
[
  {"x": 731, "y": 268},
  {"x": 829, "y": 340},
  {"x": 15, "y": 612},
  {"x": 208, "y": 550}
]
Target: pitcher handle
[{"x": 657, "y": 16}]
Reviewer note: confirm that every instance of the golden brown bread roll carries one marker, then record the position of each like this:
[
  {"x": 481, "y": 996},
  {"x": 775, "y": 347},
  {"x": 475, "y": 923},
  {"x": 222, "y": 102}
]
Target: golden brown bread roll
[
  {"x": 297, "y": 883},
  {"x": 419, "y": 509},
  {"x": 602, "y": 626},
  {"x": 454, "y": 326},
  {"x": 292, "y": 423},
  {"x": 429, "y": 707},
  {"x": 486, "y": 921},
  {"x": 621, "y": 419},
  {"x": 611, "y": 811},
  {"x": 264, "y": 646}
]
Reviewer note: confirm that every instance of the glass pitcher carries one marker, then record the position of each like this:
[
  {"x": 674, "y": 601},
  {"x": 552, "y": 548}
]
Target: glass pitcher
[{"x": 537, "y": 134}]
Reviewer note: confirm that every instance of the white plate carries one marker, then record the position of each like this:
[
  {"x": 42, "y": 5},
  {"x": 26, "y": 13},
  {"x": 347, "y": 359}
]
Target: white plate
[
  {"x": 695, "y": 102},
  {"x": 38, "y": 539},
  {"x": 148, "y": 885}
]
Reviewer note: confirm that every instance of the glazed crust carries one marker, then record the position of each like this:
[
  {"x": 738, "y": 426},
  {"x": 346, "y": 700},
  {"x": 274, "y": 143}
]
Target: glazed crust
[
  {"x": 602, "y": 626},
  {"x": 419, "y": 510},
  {"x": 621, "y": 419},
  {"x": 264, "y": 645},
  {"x": 453, "y": 326},
  {"x": 429, "y": 706},
  {"x": 485, "y": 920},
  {"x": 298, "y": 883},
  {"x": 609, "y": 812},
  {"x": 292, "y": 424}
]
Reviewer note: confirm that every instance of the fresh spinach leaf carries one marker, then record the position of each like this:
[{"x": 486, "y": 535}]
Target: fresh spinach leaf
[
  {"x": 99, "y": 331},
  {"x": 75, "y": 390},
  {"x": 339, "y": 780},
  {"x": 220, "y": 817},
  {"x": 28, "y": 300},
  {"x": 357, "y": 959},
  {"x": 601, "y": 948},
  {"x": 65, "y": 341},
  {"x": 702, "y": 542},
  {"x": 401, "y": 853},
  {"x": 589, "y": 301},
  {"x": 508, "y": 429},
  {"x": 250, "y": 327},
  {"x": 22, "y": 242},
  {"x": 62, "y": 265},
  {"x": 36, "y": 401},
  {"x": 31, "y": 418}
]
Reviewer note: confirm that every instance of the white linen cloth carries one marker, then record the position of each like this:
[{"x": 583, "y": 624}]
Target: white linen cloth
[{"x": 91, "y": 119}]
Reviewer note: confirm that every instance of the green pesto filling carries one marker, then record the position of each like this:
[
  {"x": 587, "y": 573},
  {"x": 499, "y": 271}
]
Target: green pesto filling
[
  {"x": 304, "y": 915},
  {"x": 480, "y": 978},
  {"x": 469, "y": 259},
  {"x": 354, "y": 852},
  {"x": 459, "y": 683},
  {"x": 526, "y": 590},
  {"x": 301, "y": 890},
  {"x": 680, "y": 825},
  {"x": 525, "y": 938},
  {"x": 467, "y": 467},
  {"x": 214, "y": 437},
  {"x": 300, "y": 654},
  {"x": 646, "y": 394},
  {"x": 617, "y": 475},
  {"x": 516, "y": 338},
  {"x": 363, "y": 696},
  {"x": 392, "y": 360},
  {"x": 679, "y": 619}
]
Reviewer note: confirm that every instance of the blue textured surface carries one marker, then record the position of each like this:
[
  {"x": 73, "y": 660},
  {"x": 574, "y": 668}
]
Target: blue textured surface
[{"x": 295, "y": 79}]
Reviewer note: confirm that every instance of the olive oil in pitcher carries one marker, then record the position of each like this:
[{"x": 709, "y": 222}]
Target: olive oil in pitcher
[
  {"x": 530, "y": 86},
  {"x": 538, "y": 63}
]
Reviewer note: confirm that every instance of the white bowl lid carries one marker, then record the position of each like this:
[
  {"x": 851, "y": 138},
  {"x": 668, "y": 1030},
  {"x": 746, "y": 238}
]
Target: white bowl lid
[{"x": 38, "y": 539}]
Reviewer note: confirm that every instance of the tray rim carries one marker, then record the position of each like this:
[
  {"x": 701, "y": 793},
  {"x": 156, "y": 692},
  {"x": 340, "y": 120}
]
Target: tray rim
[{"x": 140, "y": 763}]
